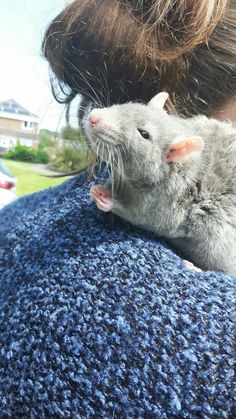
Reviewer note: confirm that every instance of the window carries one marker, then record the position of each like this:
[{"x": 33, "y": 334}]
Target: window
[{"x": 28, "y": 125}]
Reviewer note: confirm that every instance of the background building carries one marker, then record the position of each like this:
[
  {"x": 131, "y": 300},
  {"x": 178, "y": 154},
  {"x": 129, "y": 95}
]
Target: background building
[{"x": 17, "y": 124}]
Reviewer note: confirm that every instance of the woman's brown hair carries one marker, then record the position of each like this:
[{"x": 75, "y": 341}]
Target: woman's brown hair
[{"x": 111, "y": 51}]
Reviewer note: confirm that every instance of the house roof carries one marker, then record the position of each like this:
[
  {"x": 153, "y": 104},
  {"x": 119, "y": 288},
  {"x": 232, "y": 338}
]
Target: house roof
[{"x": 11, "y": 106}]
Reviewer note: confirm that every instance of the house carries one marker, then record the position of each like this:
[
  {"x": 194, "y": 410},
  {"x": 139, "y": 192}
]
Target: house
[{"x": 17, "y": 124}]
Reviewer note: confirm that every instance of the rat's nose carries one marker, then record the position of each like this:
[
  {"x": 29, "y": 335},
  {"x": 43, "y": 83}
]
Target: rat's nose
[{"x": 94, "y": 120}]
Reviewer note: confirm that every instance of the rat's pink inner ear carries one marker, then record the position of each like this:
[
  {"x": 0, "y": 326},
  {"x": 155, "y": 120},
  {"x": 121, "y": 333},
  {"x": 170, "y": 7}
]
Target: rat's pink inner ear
[{"x": 184, "y": 150}]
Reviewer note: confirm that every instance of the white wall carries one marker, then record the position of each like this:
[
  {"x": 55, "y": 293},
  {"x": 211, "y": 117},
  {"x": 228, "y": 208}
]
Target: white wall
[{"x": 9, "y": 142}]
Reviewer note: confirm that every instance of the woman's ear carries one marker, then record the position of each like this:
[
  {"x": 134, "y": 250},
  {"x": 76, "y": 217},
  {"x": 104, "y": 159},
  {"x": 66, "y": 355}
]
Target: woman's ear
[
  {"x": 182, "y": 150},
  {"x": 159, "y": 100}
]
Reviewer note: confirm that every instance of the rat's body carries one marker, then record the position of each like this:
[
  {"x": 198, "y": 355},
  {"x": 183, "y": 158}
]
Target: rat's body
[{"x": 179, "y": 183}]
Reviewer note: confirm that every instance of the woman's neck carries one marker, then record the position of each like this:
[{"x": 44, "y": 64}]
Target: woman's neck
[{"x": 227, "y": 112}]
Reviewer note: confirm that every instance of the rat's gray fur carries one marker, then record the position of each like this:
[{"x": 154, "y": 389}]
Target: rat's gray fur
[{"x": 192, "y": 204}]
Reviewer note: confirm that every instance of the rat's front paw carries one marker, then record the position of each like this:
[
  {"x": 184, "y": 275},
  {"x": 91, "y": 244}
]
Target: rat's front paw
[{"x": 102, "y": 197}]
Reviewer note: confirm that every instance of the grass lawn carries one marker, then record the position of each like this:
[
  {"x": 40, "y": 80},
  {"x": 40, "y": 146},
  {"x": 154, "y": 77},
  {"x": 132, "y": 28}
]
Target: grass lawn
[{"x": 28, "y": 180}]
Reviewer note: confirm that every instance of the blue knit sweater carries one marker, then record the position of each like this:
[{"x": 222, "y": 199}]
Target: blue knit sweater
[{"x": 101, "y": 320}]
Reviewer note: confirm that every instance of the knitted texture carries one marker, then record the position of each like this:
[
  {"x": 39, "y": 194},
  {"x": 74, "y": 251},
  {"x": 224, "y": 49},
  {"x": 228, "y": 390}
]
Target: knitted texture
[{"x": 101, "y": 320}]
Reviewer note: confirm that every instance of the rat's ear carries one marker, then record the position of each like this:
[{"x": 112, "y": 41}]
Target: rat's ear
[
  {"x": 182, "y": 150},
  {"x": 159, "y": 100}
]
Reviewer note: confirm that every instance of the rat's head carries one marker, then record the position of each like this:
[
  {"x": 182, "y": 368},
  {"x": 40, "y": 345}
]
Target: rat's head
[
  {"x": 126, "y": 136},
  {"x": 132, "y": 138}
]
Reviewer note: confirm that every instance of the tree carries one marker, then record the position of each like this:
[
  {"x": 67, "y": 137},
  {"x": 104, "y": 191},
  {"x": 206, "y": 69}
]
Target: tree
[
  {"x": 46, "y": 138},
  {"x": 72, "y": 134}
]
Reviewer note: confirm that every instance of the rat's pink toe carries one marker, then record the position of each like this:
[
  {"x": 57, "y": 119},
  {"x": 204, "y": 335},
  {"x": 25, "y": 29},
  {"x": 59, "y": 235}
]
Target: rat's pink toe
[
  {"x": 191, "y": 266},
  {"x": 102, "y": 197}
]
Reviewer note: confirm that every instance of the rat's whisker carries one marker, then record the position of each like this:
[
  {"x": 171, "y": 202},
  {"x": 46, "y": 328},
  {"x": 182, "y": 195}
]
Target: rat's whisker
[
  {"x": 103, "y": 88},
  {"x": 107, "y": 90},
  {"x": 77, "y": 70}
]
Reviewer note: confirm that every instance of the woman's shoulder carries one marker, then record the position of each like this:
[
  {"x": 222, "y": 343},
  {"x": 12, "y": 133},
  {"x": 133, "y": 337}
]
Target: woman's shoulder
[{"x": 98, "y": 318}]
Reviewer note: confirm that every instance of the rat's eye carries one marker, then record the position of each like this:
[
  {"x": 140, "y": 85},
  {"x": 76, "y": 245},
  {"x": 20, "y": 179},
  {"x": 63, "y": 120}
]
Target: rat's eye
[{"x": 144, "y": 134}]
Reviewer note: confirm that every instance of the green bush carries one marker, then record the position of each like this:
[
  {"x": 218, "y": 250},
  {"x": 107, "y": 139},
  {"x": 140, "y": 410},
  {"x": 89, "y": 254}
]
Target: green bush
[
  {"x": 72, "y": 134},
  {"x": 41, "y": 156},
  {"x": 46, "y": 139},
  {"x": 71, "y": 153},
  {"x": 23, "y": 153},
  {"x": 68, "y": 159}
]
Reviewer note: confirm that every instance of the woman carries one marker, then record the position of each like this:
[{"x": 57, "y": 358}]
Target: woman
[
  {"x": 99, "y": 319},
  {"x": 115, "y": 51}
]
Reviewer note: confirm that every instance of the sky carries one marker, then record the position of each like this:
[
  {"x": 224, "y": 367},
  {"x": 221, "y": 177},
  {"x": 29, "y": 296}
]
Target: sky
[{"x": 24, "y": 73}]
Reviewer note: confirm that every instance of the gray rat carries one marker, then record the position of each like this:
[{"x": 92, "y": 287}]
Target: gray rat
[{"x": 175, "y": 177}]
